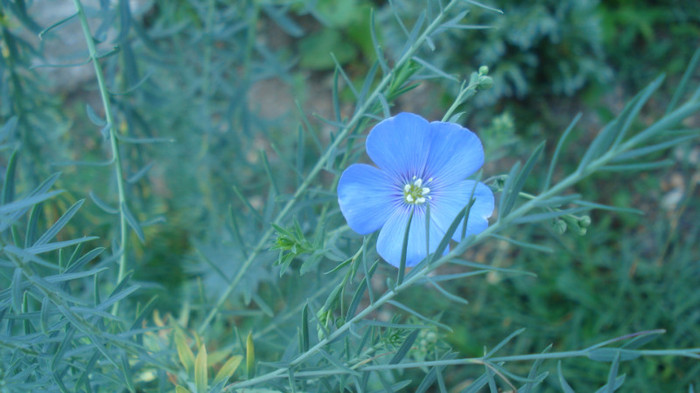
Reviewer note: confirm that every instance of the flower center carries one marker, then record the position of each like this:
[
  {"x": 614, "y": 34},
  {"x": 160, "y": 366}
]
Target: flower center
[{"x": 415, "y": 192}]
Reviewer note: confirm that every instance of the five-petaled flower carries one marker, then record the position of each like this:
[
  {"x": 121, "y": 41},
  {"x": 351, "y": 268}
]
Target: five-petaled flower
[{"x": 421, "y": 166}]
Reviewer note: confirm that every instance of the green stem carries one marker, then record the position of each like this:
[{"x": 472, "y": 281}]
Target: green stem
[
  {"x": 109, "y": 117},
  {"x": 320, "y": 164},
  {"x": 463, "y": 95},
  {"x": 689, "y": 352}
]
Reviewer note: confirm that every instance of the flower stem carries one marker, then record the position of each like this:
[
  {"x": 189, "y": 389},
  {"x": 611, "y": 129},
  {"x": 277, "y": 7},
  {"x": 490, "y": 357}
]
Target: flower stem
[{"x": 109, "y": 118}]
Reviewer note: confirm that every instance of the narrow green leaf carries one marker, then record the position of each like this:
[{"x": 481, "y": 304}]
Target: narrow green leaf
[
  {"x": 140, "y": 173},
  {"x": 641, "y": 166},
  {"x": 25, "y": 203},
  {"x": 477, "y": 384},
  {"x": 642, "y": 151},
  {"x": 376, "y": 45},
  {"x": 613, "y": 374},
  {"x": 30, "y": 233},
  {"x": 133, "y": 223},
  {"x": 418, "y": 315},
  {"x": 227, "y": 370},
  {"x": 549, "y": 215},
  {"x": 338, "y": 363},
  {"x": 447, "y": 294},
  {"x": 504, "y": 342},
  {"x": 94, "y": 117},
  {"x": 8, "y": 186},
  {"x": 359, "y": 293},
  {"x": 115, "y": 296},
  {"x": 268, "y": 171},
  {"x": 507, "y": 192},
  {"x": 8, "y": 128},
  {"x": 43, "y": 248},
  {"x": 496, "y": 10},
  {"x": 75, "y": 276},
  {"x": 89, "y": 256},
  {"x": 201, "y": 378},
  {"x": 180, "y": 389},
  {"x": 532, "y": 375},
  {"x": 564, "y": 385},
  {"x": 599, "y": 206},
  {"x": 557, "y": 201},
  {"x": 670, "y": 120},
  {"x": 126, "y": 371},
  {"x": 643, "y": 338},
  {"x": 59, "y": 224},
  {"x": 438, "y": 72},
  {"x": 250, "y": 356},
  {"x": 523, "y": 244},
  {"x": 184, "y": 352},
  {"x": 445, "y": 241},
  {"x": 682, "y": 86},
  {"x": 335, "y": 95},
  {"x": 600, "y": 144},
  {"x": 44, "y": 315},
  {"x": 305, "y": 328},
  {"x": 404, "y": 248},
  {"x": 17, "y": 291},
  {"x": 405, "y": 347},
  {"x": 632, "y": 109},
  {"x": 557, "y": 151},
  {"x": 616, "y": 384},
  {"x": 245, "y": 201},
  {"x": 143, "y": 312},
  {"x": 102, "y": 204},
  {"x": 519, "y": 181}
]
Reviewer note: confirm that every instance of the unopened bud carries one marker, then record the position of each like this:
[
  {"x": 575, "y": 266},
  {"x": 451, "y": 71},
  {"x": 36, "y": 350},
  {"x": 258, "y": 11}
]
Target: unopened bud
[
  {"x": 485, "y": 82},
  {"x": 584, "y": 221},
  {"x": 560, "y": 226}
]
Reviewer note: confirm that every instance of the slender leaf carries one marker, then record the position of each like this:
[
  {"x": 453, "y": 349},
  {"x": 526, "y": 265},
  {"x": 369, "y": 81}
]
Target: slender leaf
[
  {"x": 557, "y": 151},
  {"x": 201, "y": 378},
  {"x": 564, "y": 385},
  {"x": 405, "y": 347},
  {"x": 59, "y": 224},
  {"x": 226, "y": 371},
  {"x": 133, "y": 223}
]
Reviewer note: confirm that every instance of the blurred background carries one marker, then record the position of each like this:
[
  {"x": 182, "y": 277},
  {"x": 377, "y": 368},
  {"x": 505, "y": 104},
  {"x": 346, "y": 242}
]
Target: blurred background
[{"x": 220, "y": 90}]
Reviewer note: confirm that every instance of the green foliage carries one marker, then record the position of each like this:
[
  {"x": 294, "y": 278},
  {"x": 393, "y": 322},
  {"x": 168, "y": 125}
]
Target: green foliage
[
  {"x": 534, "y": 49},
  {"x": 194, "y": 222},
  {"x": 637, "y": 38}
]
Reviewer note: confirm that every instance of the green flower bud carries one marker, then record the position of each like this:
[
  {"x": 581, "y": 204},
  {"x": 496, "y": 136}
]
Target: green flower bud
[
  {"x": 485, "y": 82},
  {"x": 483, "y": 70},
  {"x": 560, "y": 226},
  {"x": 584, "y": 221}
]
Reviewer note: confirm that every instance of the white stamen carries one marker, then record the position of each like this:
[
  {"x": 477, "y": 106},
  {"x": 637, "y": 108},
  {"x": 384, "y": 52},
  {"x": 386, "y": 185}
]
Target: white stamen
[
  {"x": 426, "y": 190},
  {"x": 420, "y": 200},
  {"x": 409, "y": 198},
  {"x": 418, "y": 182}
]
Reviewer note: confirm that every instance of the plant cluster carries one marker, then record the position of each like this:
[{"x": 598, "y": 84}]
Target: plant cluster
[{"x": 173, "y": 222}]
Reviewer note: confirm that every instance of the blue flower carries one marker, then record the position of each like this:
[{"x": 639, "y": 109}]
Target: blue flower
[{"x": 420, "y": 164}]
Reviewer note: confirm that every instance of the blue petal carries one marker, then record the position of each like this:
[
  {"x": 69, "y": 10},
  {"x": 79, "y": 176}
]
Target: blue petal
[
  {"x": 455, "y": 153},
  {"x": 390, "y": 240},
  {"x": 366, "y": 197},
  {"x": 449, "y": 200},
  {"x": 400, "y": 145}
]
